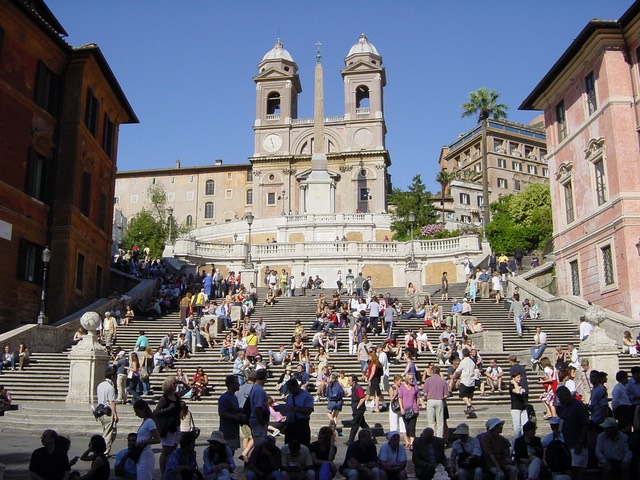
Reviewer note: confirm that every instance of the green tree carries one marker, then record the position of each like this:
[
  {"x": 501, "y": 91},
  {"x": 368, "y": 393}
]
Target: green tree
[
  {"x": 484, "y": 103},
  {"x": 150, "y": 227},
  {"x": 522, "y": 220},
  {"x": 145, "y": 230},
  {"x": 417, "y": 200}
]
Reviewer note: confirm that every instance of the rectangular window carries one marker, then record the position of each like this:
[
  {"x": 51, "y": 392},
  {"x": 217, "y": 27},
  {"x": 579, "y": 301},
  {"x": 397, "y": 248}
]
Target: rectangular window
[
  {"x": 134, "y": 199},
  {"x": 465, "y": 219},
  {"x": 48, "y": 90},
  {"x": 228, "y": 175},
  {"x": 91, "y": 113},
  {"x": 568, "y": 202},
  {"x": 590, "y": 89},
  {"x": 29, "y": 262},
  {"x": 477, "y": 167},
  {"x": 85, "y": 200},
  {"x": 465, "y": 199},
  {"x": 364, "y": 194},
  {"x": 171, "y": 197},
  {"x": 116, "y": 200},
  {"x": 80, "y": 272},
  {"x": 36, "y": 175},
  {"x": 516, "y": 185},
  {"x": 480, "y": 201},
  {"x": 528, "y": 152},
  {"x": 209, "y": 210},
  {"x": 98, "y": 293},
  {"x": 502, "y": 183},
  {"x": 562, "y": 121},
  {"x": 271, "y": 198},
  {"x": 574, "y": 271},
  {"x": 249, "y": 175},
  {"x": 502, "y": 163},
  {"x": 228, "y": 193},
  {"x": 532, "y": 169},
  {"x": 249, "y": 197},
  {"x": 545, "y": 172},
  {"x": 601, "y": 184},
  {"x": 102, "y": 211},
  {"x": 108, "y": 136},
  {"x": 497, "y": 145},
  {"x": 190, "y": 196},
  {"x": 516, "y": 166},
  {"x": 607, "y": 265}
]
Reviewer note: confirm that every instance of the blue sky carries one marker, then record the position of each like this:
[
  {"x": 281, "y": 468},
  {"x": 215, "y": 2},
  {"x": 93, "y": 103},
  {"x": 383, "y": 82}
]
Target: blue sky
[{"x": 187, "y": 66}]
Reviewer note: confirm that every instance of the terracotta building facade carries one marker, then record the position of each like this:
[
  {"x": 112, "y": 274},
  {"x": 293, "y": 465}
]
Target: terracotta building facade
[
  {"x": 590, "y": 102},
  {"x": 60, "y": 111}
]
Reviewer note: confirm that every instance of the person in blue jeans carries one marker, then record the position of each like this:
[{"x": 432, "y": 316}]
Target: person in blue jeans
[{"x": 539, "y": 346}]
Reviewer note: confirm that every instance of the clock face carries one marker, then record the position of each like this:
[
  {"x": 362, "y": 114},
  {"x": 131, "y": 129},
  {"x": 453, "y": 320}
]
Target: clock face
[{"x": 272, "y": 142}]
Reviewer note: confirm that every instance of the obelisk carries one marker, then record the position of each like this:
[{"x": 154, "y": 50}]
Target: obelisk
[{"x": 320, "y": 191}]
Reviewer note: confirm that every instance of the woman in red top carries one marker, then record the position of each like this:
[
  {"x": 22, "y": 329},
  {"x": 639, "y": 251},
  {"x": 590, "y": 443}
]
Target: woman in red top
[{"x": 199, "y": 385}]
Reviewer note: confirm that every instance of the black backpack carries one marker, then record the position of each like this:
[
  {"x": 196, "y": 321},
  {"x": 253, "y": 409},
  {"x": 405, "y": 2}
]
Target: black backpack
[
  {"x": 557, "y": 456},
  {"x": 366, "y": 285}
]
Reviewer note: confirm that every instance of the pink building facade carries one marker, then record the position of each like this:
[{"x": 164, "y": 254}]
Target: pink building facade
[{"x": 590, "y": 99}]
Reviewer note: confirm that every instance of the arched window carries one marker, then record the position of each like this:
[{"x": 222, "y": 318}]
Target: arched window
[
  {"x": 210, "y": 187},
  {"x": 273, "y": 103},
  {"x": 208, "y": 210},
  {"x": 249, "y": 197},
  {"x": 189, "y": 220},
  {"x": 362, "y": 96}
]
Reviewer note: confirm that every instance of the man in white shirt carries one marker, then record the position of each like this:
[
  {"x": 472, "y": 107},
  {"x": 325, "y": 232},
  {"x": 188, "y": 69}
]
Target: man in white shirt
[
  {"x": 106, "y": 394},
  {"x": 374, "y": 314},
  {"x": 539, "y": 346},
  {"x": 585, "y": 328},
  {"x": 466, "y": 372},
  {"x": 384, "y": 361}
]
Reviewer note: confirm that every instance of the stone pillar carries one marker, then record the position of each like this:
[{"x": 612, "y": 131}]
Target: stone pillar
[
  {"x": 89, "y": 361},
  {"x": 601, "y": 351},
  {"x": 488, "y": 341},
  {"x": 249, "y": 275},
  {"x": 414, "y": 275}
]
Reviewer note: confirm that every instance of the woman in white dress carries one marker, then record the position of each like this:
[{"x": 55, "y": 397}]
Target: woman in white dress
[
  {"x": 395, "y": 419},
  {"x": 147, "y": 435}
]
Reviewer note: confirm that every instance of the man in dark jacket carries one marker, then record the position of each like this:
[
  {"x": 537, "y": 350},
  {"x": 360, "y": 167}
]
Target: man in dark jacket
[
  {"x": 428, "y": 452},
  {"x": 528, "y": 452}
]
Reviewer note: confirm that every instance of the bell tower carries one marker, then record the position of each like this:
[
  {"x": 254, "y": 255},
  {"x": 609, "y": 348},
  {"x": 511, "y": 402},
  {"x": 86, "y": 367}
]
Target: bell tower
[{"x": 277, "y": 90}]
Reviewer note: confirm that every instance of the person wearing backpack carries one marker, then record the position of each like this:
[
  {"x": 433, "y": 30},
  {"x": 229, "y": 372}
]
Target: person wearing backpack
[
  {"x": 528, "y": 452},
  {"x": 557, "y": 456}
]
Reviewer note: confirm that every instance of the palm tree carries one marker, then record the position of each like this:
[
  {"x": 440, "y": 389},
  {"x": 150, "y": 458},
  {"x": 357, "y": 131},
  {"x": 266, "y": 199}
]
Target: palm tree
[
  {"x": 444, "y": 178},
  {"x": 484, "y": 103}
]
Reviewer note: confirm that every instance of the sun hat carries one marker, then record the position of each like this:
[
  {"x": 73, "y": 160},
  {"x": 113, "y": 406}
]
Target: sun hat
[
  {"x": 493, "y": 423},
  {"x": 463, "y": 429},
  {"x": 609, "y": 422},
  {"x": 392, "y": 434},
  {"x": 217, "y": 436}
]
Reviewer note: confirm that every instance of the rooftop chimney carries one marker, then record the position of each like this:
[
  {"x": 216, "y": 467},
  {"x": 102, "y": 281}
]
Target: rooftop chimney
[{"x": 178, "y": 163}]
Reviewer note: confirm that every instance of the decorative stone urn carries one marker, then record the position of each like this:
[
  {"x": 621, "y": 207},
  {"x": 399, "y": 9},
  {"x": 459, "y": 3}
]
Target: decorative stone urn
[
  {"x": 601, "y": 351},
  {"x": 89, "y": 360}
]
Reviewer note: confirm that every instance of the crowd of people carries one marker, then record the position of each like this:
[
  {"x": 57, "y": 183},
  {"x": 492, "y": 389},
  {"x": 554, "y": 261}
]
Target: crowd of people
[{"x": 584, "y": 431}]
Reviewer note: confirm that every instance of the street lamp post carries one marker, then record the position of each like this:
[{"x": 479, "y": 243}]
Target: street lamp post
[
  {"x": 249, "y": 217},
  {"x": 412, "y": 219},
  {"x": 46, "y": 258},
  {"x": 170, "y": 221}
]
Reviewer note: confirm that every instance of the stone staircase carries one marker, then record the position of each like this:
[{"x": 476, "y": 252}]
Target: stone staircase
[{"x": 43, "y": 385}]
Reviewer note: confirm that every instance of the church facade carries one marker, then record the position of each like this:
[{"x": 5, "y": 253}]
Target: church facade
[{"x": 275, "y": 182}]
